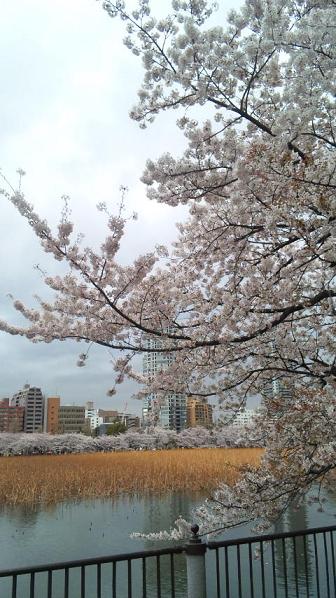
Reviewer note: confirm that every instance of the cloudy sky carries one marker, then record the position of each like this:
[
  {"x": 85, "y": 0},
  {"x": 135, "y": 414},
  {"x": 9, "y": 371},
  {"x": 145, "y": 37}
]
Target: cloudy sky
[{"x": 67, "y": 85}]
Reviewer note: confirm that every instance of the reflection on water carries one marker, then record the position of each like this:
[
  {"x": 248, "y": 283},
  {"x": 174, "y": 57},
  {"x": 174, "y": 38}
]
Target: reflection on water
[
  {"x": 293, "y": 558},
  {"x": 31, "y": 536},
  {"x": 305, "y": 564},
  {"x": 86, "y": 529}
]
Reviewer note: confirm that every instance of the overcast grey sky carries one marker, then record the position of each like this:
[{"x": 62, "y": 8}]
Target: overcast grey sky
[{"x": 67, "y": 85}]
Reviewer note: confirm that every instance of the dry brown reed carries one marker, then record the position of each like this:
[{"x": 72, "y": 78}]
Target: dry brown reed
[{"x": 50, "y": 479}]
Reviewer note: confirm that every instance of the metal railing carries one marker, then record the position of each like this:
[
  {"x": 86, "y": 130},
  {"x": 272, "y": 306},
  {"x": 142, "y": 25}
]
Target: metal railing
[
  {"x": 130, "y": 575},
  {"x": 280, "y": 565}
]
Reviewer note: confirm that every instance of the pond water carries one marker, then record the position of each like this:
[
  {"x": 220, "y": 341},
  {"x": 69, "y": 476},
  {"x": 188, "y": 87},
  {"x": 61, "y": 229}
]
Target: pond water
[{"x": 71, "y": 531}]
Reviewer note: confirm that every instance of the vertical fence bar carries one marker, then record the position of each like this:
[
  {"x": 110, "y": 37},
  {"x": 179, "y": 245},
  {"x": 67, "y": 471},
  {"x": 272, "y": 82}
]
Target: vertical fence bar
[
  {"x": 316, "y": 567},
  {"x": 99, "y": 580},
  {"x": 333, "y": 560},
  {"x": 227, "y": 574},
  {"x": 144, "y": 588},
  {"x": 262, "y": 565},
  {"x": 14, "y": 586},
  {"x": 82, "y": 582},
  {"x": 306, "y": 565},
  {"x": 326, "y": 563},
  {"x": 158, "y": 576},
  {"x": 274, "y": 570},
  {"x": 239, "y": 572},
  {"x": 32, "y": 585},
  {"x": 129, "y": 578},
  {"x": 66, "y": 583},
  {"x": 251, "y": 570},
  {"x": 217, "y": 574},
  {"x": 114, "y": 580},
  {"x": 284, "y": 555},
  {"x": 295, "y": 568},
  {"x": 49, "y": 584},
  {"x": 172, "y": 575},
  {"x": 195, "y": 553}
]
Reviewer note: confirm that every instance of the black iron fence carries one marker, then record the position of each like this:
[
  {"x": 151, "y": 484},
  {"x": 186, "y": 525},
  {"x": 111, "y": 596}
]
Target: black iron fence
[
  {"x": 144, "y": 573},
  {"x": 284, "y": 565}
]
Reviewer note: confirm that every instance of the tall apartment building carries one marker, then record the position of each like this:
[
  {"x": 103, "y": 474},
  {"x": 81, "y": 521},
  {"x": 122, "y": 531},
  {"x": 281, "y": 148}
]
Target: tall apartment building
[
  {"x": 281, "y": 392},
  {"x": 90, "y": 409},
  {"x": 71, "y": 420},
  {"x": 92, "y": 416},
  {"x": 170, "y": 412},
  {"x": 244, "y": 417},
  {"x": 11, "y": 418},
  {"x": 278, "y": 387},
  {"x": 52, "y": 414},
  {"x": 31, "y": 398},
  {"x": 199, "y": 413}
]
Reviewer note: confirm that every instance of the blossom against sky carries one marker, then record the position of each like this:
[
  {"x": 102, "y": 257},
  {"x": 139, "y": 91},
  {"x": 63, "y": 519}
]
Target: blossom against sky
[{"x": 68, "y": 84}]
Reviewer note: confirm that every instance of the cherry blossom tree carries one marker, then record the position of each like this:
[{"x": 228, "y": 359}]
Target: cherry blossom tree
[
  {"x": 153, "y": 439},
  {"x": 246, "y": 294}
]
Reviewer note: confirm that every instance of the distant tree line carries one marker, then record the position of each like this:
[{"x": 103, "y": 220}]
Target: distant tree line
[{"x": 154, "y": 439}]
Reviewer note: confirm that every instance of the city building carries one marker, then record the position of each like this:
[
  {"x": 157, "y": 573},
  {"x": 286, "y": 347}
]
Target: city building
[
  {"x": 94, "y": 421},
  {"x": 108, "y": 415},
  {"x": 199, "y": 413},
  {"x": 90, "y": 410},
  {"x": 280, "y": 393},
  {"x": 278, "y": 388},
  {"x": 11, "y": 418},
  {"x": 71, "y": 420},
  {"x": 244, "y": 417},
  {"x": 150, "y": 411},
  {"x": 52, "y": 414},
  {"x": 130, "y": 421},
  {"x": 171, "y": 411},
  {"x": 92, "y": 415},
  {"x": 31, "y": 398}
]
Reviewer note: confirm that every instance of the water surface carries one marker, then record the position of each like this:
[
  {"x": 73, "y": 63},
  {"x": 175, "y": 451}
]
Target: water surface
[{"x": 71, "y": 531}]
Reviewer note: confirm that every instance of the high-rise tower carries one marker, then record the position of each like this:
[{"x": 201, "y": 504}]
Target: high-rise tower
[
  {"x": 171, "y": 411},
  {"x": 31, "y": 398}
]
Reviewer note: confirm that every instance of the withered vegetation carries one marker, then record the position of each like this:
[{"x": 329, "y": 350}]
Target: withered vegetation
[{"x": 51, "y": 479}]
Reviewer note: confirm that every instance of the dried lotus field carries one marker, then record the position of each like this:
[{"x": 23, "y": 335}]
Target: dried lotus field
[{"x": 51, "y": 479}]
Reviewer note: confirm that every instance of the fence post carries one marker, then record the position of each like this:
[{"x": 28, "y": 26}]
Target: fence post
[{"x": 195, "y": 551}]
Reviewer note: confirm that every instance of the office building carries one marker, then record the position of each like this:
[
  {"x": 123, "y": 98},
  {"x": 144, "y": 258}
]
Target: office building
[
  {"x": 278, "y": 394},
  {"x": 31, "y": 398},
  {"x": 108, "y": 415},
  {"x": 11, "y": 418},
  {"x": 52, "y": 413},
  {"x": 71, "y": 420},
  {"x": 244, "y": 417},
  {"x": 132, "y": 422},
  {"x": 170, "y": 411},
  {"x": 199, "y": 413},
  {"x": 92, "y": 415},
  {"x": 173, "y": 412},
  {"x": 278, "y": 388}
]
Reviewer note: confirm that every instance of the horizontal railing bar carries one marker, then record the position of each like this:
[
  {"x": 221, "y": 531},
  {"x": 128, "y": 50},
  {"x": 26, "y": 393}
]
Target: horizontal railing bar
[
  {"x": 93, "y": 561},
  {"x": 269, "y": 537}
]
